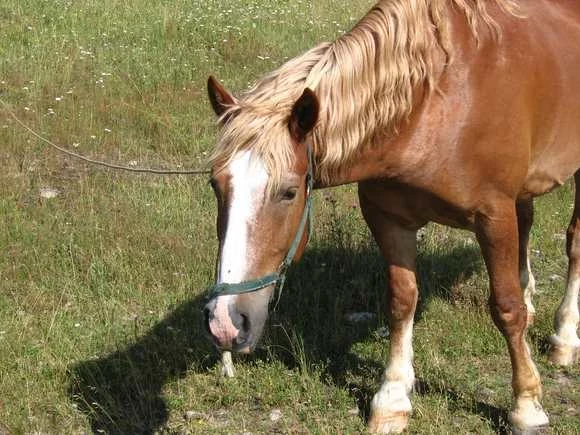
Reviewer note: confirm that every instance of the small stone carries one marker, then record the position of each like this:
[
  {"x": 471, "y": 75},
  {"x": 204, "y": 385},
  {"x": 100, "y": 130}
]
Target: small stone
[
  {"x": 563, "y": 380},
  {"x": 194, "y": 415},
  {"x": 49, "y": 193},
  {"x": 220, "y": 418},
  {"x": 275, "y": 415},
  {"x": 359, "y": 317},
  {"x": 353, "y": 411},
  {"x": 485, "y": 394},
  {"x": 383, "y": 332},
  {"x": 555, "y": 277}
]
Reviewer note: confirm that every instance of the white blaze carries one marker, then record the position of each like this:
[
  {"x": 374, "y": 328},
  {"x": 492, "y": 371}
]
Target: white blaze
[{"x": 248, "y": 186}]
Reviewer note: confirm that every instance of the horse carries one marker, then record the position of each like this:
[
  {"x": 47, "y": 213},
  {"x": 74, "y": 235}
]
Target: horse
[{"x": 459, "y": 112}]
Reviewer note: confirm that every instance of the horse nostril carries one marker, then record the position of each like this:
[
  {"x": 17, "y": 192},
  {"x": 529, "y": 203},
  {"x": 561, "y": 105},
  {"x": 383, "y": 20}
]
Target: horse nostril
[
  {"x": 245, "y": 323},
  {"x": 244, "y": 330},
  {"x": 239, "y": 320},
  {"x": 206, "y": 317}
]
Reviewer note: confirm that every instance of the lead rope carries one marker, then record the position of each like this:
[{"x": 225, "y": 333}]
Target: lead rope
[{"x": 99, "y": 162}]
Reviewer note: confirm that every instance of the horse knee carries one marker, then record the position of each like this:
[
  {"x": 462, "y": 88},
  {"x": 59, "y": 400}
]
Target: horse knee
[
  {"x": 403, "y": 294},
  {"x": 509, "y": 314}
]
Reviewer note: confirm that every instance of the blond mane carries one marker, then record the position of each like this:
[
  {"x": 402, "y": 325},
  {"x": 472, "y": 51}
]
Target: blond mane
[{"x": 365, "y": 81}]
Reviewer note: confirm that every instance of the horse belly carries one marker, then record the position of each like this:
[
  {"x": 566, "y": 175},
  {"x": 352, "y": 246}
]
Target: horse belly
[
  {"x": 555, "y": 147},
  {"x": 552, "y": 172}
]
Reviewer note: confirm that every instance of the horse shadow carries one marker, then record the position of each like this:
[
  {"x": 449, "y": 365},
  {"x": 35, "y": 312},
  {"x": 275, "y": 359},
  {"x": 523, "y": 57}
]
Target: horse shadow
[{"x": 122, "y": 392}]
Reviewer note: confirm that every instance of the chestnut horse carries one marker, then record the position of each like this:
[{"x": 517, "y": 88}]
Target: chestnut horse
[{"x": 458, "y": 112}]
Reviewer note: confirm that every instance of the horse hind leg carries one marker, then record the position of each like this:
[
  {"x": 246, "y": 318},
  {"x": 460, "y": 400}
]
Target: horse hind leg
[
  {"x": 525, "y": 214},
  {"x": 565, "y": 342}
]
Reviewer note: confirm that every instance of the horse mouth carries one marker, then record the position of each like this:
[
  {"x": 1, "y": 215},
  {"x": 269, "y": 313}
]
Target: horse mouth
[{"x": 244, "y": 349}]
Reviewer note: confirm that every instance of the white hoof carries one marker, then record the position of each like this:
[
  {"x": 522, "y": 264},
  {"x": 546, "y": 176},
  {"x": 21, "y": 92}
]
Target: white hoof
[
  {"x": 386, "y": 424},
  {"x": 528, "y": 417},
  {"x": 529, "y": 431},
  {"x": 390, "y": 409},
  {"x": 562, "y": 353}
]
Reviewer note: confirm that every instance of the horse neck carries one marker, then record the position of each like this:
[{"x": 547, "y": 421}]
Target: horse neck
[
  {"x": 369, "y": 110},
  {"x": 396, "y": 155}
]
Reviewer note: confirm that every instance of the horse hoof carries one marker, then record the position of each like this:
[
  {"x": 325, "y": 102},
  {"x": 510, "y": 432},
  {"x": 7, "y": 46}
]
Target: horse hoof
[
  {"x": 528, "y": 418},
  {"x": 564, "y": 354},
  {"x": 535, "y": 430},
  {"x": 386, "y": 424}
]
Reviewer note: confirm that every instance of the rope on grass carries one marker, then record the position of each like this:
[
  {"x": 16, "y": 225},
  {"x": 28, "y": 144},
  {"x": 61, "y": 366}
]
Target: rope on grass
[{"x": 99, "y": 162}]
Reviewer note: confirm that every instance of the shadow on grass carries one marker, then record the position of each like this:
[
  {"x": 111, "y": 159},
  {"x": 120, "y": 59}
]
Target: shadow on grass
[
  {"x": 122, "y": 392},
  {"x": 497, "y": 417},
  {"x": 329, "y": 283}
]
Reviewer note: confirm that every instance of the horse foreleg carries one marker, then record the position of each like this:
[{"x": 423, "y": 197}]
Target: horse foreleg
[
  {"x": 391, "y": 405},
  {"x": 525, "y": 213},
  {"x": 565, "y": 343},
  {"x": 497, "y": 234}
]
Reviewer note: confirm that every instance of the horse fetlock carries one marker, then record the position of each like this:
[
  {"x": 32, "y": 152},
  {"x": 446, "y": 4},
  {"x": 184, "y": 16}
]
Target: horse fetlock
[
  {"x": 564, "y": 352},
  {"x": 528, "y": 416},
  {"x": 390, "y": 408}
]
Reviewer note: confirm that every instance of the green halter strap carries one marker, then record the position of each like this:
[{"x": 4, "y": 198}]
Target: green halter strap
[{"x": 279, "y": 277}]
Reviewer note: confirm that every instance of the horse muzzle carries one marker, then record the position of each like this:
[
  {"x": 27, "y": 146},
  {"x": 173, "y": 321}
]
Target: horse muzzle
[{"x": 231, "y": 328}]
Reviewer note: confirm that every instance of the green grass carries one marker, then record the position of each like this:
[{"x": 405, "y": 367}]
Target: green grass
[{"x": 101, "y": 288}]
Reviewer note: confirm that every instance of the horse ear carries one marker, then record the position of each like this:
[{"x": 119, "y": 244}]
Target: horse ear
[
  {"x": 304, "y": 115},
  {"x": 219, "y": 97}
]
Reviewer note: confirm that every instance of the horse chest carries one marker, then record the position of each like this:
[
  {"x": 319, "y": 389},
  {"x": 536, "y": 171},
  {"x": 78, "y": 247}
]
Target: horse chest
[{"x": 412, "y": 207}]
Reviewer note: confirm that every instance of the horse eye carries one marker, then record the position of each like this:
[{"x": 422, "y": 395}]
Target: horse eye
[{"x": 289, "y": 194}]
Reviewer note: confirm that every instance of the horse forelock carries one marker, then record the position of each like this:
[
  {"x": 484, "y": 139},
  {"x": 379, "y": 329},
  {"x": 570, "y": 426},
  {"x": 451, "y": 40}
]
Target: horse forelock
[{"x": 365, "y": 81}]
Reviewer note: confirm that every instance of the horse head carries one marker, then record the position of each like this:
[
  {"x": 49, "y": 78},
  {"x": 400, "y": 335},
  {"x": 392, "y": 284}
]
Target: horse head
[{"x": 261, "y": 220}]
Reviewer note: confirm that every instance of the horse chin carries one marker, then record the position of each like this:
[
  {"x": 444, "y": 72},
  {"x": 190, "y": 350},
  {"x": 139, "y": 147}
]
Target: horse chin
[
  {"x": 249, "y": 346},
  {"x": 246, "y": 350}
]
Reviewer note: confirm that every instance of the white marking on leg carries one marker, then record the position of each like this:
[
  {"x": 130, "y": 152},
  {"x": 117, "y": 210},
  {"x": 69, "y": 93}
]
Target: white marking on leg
[
  {"x": 391, "y": 405},
  {"x": 567, "y": 317},
  {"x": 248, "y": 185},
  {"x": 400, "y": 367},
  {"x": 528, "y": 414},
  {"x": 530, "y": 289}
]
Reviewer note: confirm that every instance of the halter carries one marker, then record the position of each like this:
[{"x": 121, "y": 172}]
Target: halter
[{"x": 279, "y": 277}]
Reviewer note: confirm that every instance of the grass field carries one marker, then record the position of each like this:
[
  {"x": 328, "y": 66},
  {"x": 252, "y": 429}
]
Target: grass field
[{"x": 101, "y": 287}]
